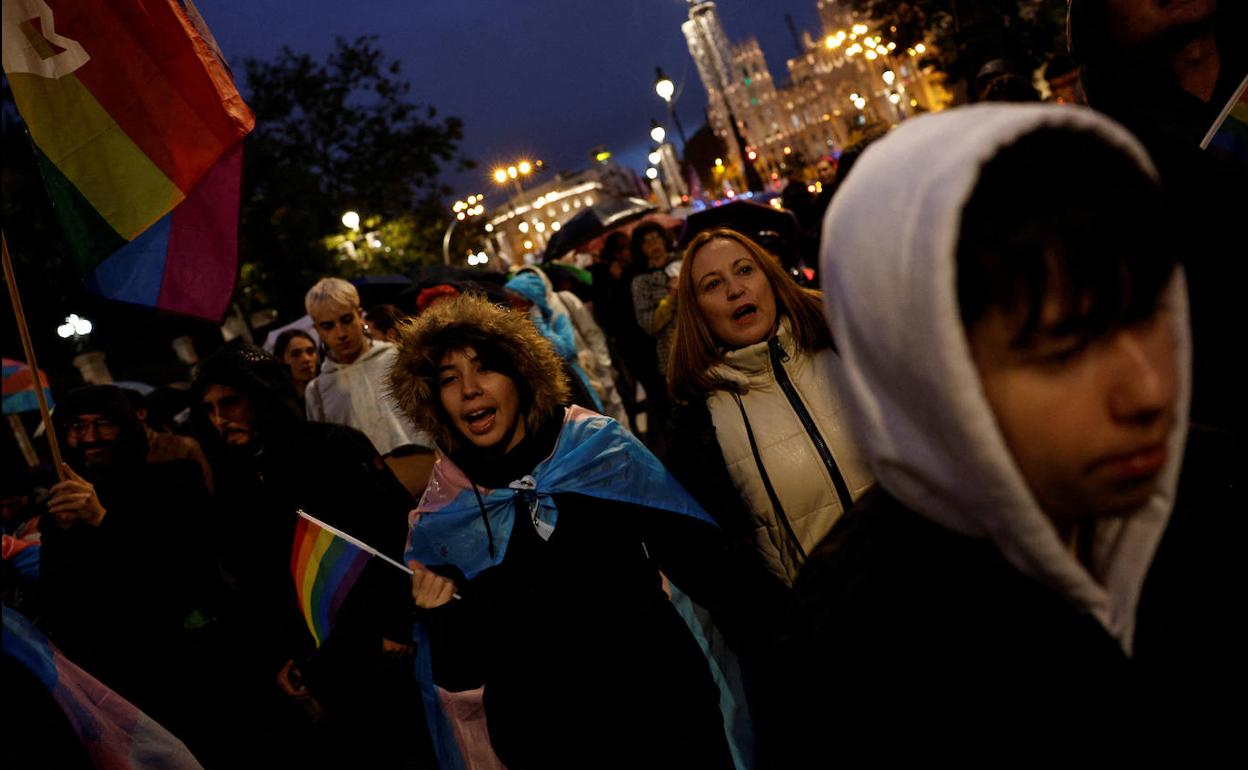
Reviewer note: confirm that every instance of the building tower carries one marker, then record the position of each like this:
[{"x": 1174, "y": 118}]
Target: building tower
[{"x": 712, "y": 53}]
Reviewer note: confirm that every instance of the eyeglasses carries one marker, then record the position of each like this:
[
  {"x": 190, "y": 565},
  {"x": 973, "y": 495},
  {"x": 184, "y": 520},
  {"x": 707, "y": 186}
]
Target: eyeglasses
[{"x": 102, "y": 427}]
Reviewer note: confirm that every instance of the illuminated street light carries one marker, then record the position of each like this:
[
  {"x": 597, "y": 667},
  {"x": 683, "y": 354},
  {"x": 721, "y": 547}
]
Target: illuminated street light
[
  {"x": 524, "y": 227},
  {"x": 871, "y": 54},
  {"x": 889, "y": 76},
  {"x": 460, "y": 216},
  {"x": 511, "y": 172},
  {"x": 894, "y": 98},
  {"x": 657, "y": 133},
  {"x": 663, "y": 85},
  {"x": 832, "y": 41},
  {"x": 719, "y": 163},
  {"x": 920, "y": 48},
  {"x": 74, "y": 326},
  {"x": 489, "y": 228},
  {"x": 500, "y": 175},
  {"x": 528, "y": 244},
  {"x": 652, "y": 173},
  {"x": 351, "y": 220},
  {"x": 859, "y": 29},
  {"x": 524, "y": 167},
  {"x": 555, "y": 226},
  {"x": 655, "y": 157}
]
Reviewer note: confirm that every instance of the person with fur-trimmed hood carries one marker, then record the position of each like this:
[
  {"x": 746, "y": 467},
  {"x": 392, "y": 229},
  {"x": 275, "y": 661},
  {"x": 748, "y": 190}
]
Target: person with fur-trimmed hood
[
  {"x": 1015, "y": 359},
  {"x": 536, "y": 551}
]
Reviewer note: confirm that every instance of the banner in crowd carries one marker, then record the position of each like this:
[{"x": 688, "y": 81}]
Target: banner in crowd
[{"x": 138, "y": 129}]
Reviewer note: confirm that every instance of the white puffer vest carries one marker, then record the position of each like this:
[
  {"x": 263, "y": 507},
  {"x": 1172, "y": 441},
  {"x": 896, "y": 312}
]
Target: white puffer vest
[{"x": 805, "y": 486}]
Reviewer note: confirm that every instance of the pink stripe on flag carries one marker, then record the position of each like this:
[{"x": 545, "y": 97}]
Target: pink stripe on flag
[{"x": 201, "y": 264}]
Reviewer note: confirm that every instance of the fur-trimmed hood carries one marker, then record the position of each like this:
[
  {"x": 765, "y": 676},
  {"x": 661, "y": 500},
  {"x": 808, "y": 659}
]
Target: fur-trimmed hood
[{"x": 464, "y": 322}]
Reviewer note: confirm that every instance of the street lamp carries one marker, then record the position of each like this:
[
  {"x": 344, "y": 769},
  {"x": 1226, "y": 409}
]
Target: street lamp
[
  {"x": 666, "y": 90},
  {"x": 463, "y": 209},
  {"x": 657, "y": 132},
  {"x": 351, "y": 220}
]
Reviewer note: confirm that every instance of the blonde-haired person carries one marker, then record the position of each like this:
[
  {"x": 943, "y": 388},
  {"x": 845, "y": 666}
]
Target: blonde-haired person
[
  {"x": 352, "y": 388},
  {"x": 758, "y": 435}
]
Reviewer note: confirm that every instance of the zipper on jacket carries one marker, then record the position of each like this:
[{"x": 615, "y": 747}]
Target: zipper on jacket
[{"x": 778, "y": 357}]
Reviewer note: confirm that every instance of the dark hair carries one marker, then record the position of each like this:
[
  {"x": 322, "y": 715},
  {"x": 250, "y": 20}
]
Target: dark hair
[
  {"x": 264, "y": 379},
  {"x": 283, "y": 341},
  {"x": 108, "y": 401},
  {"x": 383, "y": 318},
  {"x": 850, "y": 155},
  {"x": 613, "y": 243},
  {"x": 1062, "y": 209},
  {"x": 640, "y": 263}
]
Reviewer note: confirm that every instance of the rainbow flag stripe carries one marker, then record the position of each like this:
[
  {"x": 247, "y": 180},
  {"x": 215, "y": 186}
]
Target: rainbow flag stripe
[
  {"x": 137, "y": 127},
  {"x": 19, "y": 388},
  {"x": 325, "y": 568},
  {"x": 1228, "y": 138}
]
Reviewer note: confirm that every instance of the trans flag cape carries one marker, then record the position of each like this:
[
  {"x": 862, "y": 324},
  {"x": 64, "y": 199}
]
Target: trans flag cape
[
  {"x": 137, "y": 129},
  {"x": 593, "y": 456},
  {"x": 115, "y": 734}
]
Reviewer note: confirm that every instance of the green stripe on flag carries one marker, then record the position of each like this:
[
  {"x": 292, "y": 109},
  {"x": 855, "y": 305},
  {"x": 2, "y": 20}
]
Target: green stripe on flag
[{"x": 91, "y": 238}]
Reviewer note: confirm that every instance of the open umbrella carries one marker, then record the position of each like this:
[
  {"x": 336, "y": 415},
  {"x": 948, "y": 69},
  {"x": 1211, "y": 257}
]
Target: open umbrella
[
  {"x": 667, "y": 221},
  {"x": 381, "y": 289},
  {"x": 759, "y": 221},
  {"x": 594, "y": 221},
  {"x": 19, "y": 388}
]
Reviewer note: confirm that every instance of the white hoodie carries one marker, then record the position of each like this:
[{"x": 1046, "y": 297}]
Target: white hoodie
[
  {"x": 911, "y": 388},
  {"x": 357, "y": 395}
]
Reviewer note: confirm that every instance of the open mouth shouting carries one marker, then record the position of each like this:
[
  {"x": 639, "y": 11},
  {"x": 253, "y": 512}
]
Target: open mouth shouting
[
  {"x": 745, "y": 314},
  {"x": 480, "y": 421}
]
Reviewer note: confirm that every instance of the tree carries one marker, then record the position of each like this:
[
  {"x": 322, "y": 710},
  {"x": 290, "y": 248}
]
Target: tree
[
  {"x": 335, "y": 136},
  {"x": 965, "y": 35}
]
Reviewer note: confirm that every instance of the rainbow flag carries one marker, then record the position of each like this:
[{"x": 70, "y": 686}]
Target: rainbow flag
[
  {"x": 115, "y": 733},
  {"x": 137, "y": 129},
  {"x": 1228, "y": 137},
  {"x": 325, "y": 564}
]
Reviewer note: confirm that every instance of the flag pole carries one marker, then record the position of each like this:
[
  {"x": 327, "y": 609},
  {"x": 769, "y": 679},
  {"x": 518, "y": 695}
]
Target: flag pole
[
  {"x": 29, "y": 349},
  {"x": 365, "y": 547}
]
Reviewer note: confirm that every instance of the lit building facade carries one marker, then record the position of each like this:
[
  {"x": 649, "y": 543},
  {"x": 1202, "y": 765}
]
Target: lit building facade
[
  {"x": 520, "y": 228},
  {"x": 847, "y": 79}
]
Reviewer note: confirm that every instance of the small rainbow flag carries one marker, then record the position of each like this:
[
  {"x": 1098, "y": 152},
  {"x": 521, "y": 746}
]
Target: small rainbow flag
[
  {"x": 1228, "y": 137},
  {"x": 137, "y": 128},
  {"x": 325, "y": 563}
]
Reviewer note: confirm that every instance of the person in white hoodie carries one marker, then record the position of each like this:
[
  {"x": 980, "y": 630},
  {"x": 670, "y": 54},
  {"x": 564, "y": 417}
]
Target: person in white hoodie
[
  {"x": 352, "y": 387},
  {"x": 1002, "y": 284}
]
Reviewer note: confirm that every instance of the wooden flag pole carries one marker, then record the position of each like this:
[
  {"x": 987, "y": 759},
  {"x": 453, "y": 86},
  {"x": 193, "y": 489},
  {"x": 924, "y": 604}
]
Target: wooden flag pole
[{"x": 29, "y": 349}]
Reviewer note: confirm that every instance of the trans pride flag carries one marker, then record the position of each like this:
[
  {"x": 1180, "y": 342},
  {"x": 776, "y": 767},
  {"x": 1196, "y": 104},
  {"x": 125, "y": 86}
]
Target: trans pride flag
[
  {"x": 325, "y": 564},
  {"x": 115, "y": 734},
  {"x": 138, "y": 130}
]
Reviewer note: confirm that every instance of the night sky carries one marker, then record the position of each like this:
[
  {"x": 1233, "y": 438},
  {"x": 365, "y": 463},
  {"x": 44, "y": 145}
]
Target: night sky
[{"x": 542, "y": 79}]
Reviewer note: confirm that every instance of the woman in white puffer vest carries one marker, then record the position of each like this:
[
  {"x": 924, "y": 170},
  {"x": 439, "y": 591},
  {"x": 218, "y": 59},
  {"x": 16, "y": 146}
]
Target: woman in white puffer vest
[{"x": 759, "y": 436}]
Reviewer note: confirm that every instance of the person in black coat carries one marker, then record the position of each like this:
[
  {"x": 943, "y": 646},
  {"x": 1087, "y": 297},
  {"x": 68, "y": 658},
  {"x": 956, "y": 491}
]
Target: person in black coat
[
  {"x": 123, "y": 563},
  {"x": 355, "y": 689}
]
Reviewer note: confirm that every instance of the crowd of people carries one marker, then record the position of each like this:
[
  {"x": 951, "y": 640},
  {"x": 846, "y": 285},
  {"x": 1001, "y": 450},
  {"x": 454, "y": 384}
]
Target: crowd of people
[{"x": 984, "y": 484}]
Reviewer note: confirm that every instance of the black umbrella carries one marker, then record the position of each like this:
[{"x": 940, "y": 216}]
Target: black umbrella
[
  {"x": 595, "y": 220},
  {"x": 776, "y": 230},
  {"x": 759, "y": 221},
  {"x": 380, "y": 289}
]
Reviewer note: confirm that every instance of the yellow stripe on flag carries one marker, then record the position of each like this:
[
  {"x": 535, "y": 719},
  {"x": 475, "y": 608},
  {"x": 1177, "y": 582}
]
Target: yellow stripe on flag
[
  {"x": 323, "y": 540},
  {"x": 92, "y": 151}
]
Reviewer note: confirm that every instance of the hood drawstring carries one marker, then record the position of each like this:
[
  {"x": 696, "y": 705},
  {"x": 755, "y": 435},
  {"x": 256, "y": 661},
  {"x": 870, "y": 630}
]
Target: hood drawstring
[{"x": 485, "y": 519}]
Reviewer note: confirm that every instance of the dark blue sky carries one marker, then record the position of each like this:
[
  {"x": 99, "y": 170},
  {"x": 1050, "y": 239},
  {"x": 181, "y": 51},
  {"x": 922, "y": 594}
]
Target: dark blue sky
[{"x": 535, "y": 78}]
